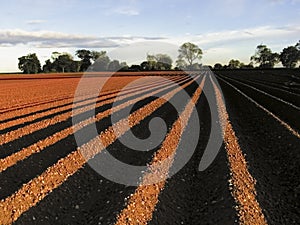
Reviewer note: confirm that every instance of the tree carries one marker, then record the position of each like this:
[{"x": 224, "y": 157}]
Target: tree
[
  {"x": 157, "y": 62},
  {"x": 298, "y": 45},
  {"x": 247, "y": 66},
  {"x": 181, "y": 64},
  {"x": 265, "y": 57},
  {"x": 151, "y": 62},
  {"x": 75, "y": 66},
  {"x": 145, "y": 66},
  {"x": 55, "y": 55},
  {"x": 218, "y": 66},
  {"x": 85, "y": 56},
  {"x": 29, "y": 63},
  {"x": 47, "y": 68},
  {"x": 114, "y": 65},
  {"x": 61, "y": 62},
  {"x": 189, "y": 52},
  {"x": 52, "y": 66},
  {"x": 135, "y": 68},
  {"x": 101, "y": 61},
  {"x": 95, "y": 55},
  {"x": 163, "y": 61},
  {"x": 64, "y": 62},
  {"x": 234, "y": 64},
  {"x": 290, "y": 56},
  {"x": 124, "y": 66}
]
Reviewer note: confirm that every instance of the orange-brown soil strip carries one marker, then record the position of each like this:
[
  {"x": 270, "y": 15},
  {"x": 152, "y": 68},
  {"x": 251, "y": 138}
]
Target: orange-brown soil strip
[
  {"x": 22, "y": 93},
  {"x": 141, "y": 204},
  {"x": 242, "y": 184},
  {"x": 40, "y": 145},
  {"x": 69, "y": 106},
  {"x": 53, "y": 98},
  {"x": 38, "y": 188},
  {"x": 20, "y": 132}
]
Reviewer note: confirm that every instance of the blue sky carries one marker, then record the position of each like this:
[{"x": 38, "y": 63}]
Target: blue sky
[{"x": 223, "y": 29}]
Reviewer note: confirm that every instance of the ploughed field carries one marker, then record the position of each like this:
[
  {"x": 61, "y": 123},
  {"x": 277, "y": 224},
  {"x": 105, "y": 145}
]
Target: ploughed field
[{"x": 46, "y": 176}]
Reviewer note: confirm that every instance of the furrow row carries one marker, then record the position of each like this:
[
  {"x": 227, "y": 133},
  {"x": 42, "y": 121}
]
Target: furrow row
[
  {"x": 57, "y": 102},
  {"x": 283, "y": 123},
  {"x": 242, "y": 183},
  {"x": 20, "y": 132},
  {"x": 38, "y": 188},
  {"x": 40, "y": 145},
  {"x": 68, "y": 105},
  {"x": 142, "y": 203}
]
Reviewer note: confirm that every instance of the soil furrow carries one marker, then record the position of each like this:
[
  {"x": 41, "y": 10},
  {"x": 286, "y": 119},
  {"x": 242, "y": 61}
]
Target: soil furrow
[
  {"x": 283, "y": 123},
  {"x": 25, "y": 170},
  {"x": 38, "y": 188},
  {"x": 114, "y": 86},
  {"x": 142, "y": 203},
  {"x": 40, "y": 145},
  {"x": 20, "y": 132},
  {"x": 68, "y": 106},
  {"x": 241, "y": 182},
  {"x": 272, "y": 153},
  {"x": 265, "y": 93},
  {"x": 88, "y": 197},
  {"x": 19, "y": 114}
]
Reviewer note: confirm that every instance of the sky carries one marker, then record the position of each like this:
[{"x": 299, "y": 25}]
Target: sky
[{"x": 130, "y": 29}]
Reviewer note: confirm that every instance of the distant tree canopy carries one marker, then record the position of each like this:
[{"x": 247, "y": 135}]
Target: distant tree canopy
[
  {"x": 64, "y": 62},
  {"x": 298, "y": 45},
  {"x": 61, "y": 62},
  {"x": 29, "y": 64},
  {"x": 114, "y": 65},
  {"x": 85, "y": 56},
  {"x": 218, "y": 66},
  {"x": 101, "y": 61},
  {"x": 181, "y": 64},
  {"x": 95, "y": 55},
  {"x": 157, "y": 62},
  {"x": 47, "y": 68},
  {"x": 163, "y": 62},
  {"x": 188, "y": 54},
  {"x": 234, "y": 64},
  {"x": 290, "y": 56},
  {"x": 188, "y": 59},
  {"x": 265, "y": 57}
]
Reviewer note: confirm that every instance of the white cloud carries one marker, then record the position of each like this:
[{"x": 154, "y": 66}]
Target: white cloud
[
  {"x": 217, "y": 46},
  {"x": 259, "y": 34},
  {"x": 240, "y": 44},
  {"x": 34, "y": 22},
  {"x": 128, "y": 11},
  {"x": 51, "y": 39},
  {"x": 274, "y": 2}
]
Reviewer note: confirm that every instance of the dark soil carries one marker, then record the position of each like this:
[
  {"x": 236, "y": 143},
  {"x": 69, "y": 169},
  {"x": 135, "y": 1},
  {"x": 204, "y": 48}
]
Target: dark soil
[
  {"x": 190, "y": 196},
  {"x": 271, "y": 150}
]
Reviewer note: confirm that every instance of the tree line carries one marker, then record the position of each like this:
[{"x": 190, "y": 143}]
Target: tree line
[
  {"x": 188, "y": 59},
  {"x": 265, "y": 58}
]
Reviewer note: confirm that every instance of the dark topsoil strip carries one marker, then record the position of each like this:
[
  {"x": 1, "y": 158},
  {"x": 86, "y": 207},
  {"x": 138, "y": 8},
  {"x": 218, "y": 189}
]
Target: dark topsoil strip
[
  {"x": 194, "y": 197},
  {"x": 272, "y": 153},
  {"x": 13, "y": 178},
  {"x": 87, "y": 197}
]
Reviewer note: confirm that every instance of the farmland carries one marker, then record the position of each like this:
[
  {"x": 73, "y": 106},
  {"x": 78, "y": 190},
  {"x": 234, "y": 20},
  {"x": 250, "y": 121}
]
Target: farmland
[{"x": 45, "y": 173}]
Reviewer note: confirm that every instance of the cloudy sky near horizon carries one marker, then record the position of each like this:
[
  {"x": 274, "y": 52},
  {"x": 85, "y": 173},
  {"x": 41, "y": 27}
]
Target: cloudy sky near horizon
[{"x": 129, "y": 29}]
